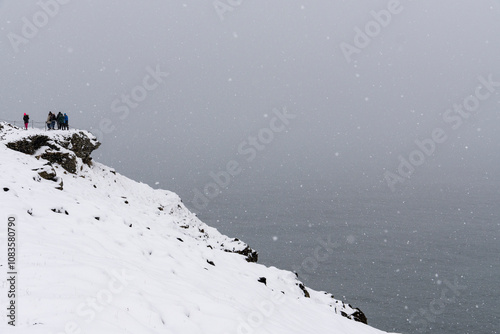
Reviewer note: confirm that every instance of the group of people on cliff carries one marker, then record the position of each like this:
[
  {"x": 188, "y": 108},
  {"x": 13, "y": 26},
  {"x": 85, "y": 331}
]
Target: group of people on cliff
[{"x": 60, "y": 119}]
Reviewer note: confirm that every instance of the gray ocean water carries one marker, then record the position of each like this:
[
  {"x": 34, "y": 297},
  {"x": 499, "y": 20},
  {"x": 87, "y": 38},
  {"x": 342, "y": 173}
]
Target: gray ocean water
[{"x": 423, "y": 260}]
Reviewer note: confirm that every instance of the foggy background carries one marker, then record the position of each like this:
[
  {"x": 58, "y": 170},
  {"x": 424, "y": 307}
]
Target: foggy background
[
  {"x": 229, "y": 72},
  {"x": 352, "y": 121}
]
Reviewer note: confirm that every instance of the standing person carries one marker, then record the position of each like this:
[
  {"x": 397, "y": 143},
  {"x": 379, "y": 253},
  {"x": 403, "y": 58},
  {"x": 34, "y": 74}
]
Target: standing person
[
  {"x": 53, "y": 120},
  {"x": 49, "y": 120},
  {"x": 60, "y": 121},
  {"x": 26, "y": 119},
  {"x": 66, "y": 121}
]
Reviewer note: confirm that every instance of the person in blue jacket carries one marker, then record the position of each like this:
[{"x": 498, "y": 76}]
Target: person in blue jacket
[{"x": 66, "y": 122}]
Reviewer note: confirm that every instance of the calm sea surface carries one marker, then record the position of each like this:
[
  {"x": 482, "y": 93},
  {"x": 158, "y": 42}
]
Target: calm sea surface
[{"x": 426, "y": 260}]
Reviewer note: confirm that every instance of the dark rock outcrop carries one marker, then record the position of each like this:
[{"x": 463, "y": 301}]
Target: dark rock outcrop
[
  {"x": 31, "y": 144},
  {"x": 250, "y": 254},
  {"x": 62, "y": 149},
  {"x": 304, "y": 290},
  {"x": 65, "y": 160},
  {"x": 82, "y": 146},
  {"x": 359, "y": 316}
]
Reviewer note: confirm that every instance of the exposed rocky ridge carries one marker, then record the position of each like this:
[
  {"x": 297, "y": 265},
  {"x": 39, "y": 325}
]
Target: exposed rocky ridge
[{"x": 63, "y": 149}]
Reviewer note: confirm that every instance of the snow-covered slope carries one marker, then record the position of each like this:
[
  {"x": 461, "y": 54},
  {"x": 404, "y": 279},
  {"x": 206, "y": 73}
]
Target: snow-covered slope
[{"x": 100, "y": 253}]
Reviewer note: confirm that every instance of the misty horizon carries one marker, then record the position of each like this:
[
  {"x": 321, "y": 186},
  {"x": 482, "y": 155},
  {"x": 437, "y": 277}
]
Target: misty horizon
[{"x": 172, "y": 90}]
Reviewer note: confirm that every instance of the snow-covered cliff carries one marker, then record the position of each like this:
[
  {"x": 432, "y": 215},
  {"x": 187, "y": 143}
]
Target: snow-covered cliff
[{"x": 100, "y": 253}]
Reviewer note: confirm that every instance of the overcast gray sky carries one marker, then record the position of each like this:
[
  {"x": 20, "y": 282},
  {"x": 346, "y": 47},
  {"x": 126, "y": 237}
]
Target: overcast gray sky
[{"x": 353, "y": 109}]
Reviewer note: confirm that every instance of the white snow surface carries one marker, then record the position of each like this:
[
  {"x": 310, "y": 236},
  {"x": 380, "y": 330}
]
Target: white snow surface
[{"x": 110, "y": 255}]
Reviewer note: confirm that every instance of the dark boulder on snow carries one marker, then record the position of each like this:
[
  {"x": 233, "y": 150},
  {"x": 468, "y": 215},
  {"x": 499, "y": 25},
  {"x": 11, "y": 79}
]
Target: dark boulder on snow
[
  {"x": 65, "y": 160},
  {"x": 304, "y": 290},
  {"x": 359, "y": 316},
  {"x": 250, "y": 254},
  {"x": 47, "y": 172}
]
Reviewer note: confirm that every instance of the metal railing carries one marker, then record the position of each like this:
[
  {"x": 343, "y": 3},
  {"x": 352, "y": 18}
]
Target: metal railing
[{"x": 20, "y": 124}]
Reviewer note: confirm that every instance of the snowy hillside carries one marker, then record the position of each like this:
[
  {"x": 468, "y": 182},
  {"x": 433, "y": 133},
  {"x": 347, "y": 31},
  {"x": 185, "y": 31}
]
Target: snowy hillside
[{"x": 100, "y": 253}]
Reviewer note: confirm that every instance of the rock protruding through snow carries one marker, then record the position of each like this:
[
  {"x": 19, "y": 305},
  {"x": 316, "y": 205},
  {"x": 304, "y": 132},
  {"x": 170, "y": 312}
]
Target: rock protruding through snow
[{"x": 69, "y": 149}]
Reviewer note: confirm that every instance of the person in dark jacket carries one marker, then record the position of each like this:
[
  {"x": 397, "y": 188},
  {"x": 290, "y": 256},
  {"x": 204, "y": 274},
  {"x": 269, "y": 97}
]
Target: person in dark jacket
[
  {"x": 53, "y": 120},
  {"x": 60, "y": 121},
  {"x": 26, "y": 119},
  {"x": 49, "y": 120},
  {"x": 66, "y": 121}
]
